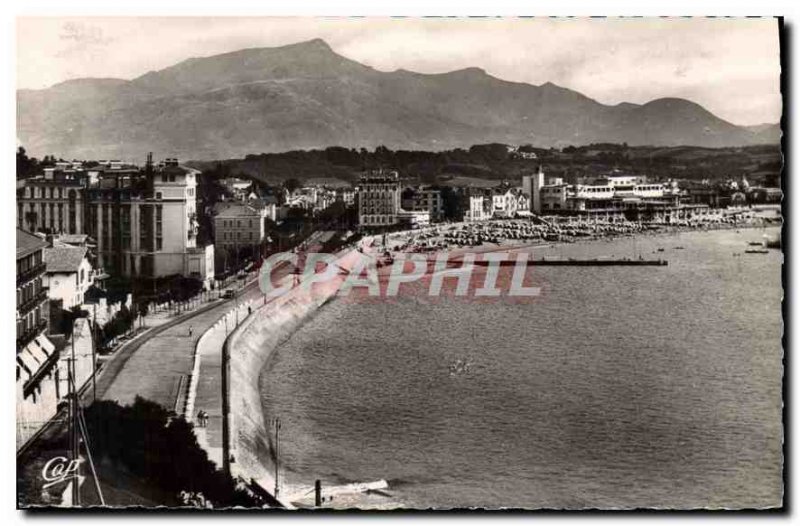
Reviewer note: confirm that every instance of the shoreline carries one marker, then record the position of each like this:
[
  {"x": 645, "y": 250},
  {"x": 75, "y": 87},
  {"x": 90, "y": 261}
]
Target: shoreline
[
  {"x": 293, "y": 480},
  {"x": 251, "y": 432},
  {"x": 512, "y": 245}
]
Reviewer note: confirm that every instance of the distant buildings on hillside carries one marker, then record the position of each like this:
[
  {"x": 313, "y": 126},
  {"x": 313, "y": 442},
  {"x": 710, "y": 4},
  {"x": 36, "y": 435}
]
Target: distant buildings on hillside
[{"x": 610, "y": 196}]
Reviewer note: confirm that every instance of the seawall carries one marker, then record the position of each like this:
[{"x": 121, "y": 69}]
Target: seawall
[{"x": 249, "y": 348}]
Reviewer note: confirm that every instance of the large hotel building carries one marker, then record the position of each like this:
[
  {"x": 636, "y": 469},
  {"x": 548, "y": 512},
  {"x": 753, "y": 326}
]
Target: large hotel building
[
  {"x": 144, "y": 221},
  {"x": 379, "y": 199}
]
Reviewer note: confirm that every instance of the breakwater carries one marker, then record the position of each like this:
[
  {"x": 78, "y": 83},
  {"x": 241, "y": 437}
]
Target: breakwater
[{"x": 595, "y": 262}]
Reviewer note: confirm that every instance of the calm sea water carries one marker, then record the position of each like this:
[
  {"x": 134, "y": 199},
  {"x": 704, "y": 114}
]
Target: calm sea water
[{"x": 617, "y": 387}]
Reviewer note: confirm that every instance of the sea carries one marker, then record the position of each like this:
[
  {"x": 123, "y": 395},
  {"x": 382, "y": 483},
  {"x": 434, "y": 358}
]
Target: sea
[{"x": 614, "y": 388}]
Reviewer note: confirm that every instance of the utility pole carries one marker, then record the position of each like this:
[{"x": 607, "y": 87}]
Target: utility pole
[
  {"x": 277, "y": 424},
  {"x": 236, "y": 296},
  {"x": 73, "y": 423},
  {"x": 94, "y": 366}
]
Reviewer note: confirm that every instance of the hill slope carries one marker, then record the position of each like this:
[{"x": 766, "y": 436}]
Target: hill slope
[{"x": 307, "y": 96}]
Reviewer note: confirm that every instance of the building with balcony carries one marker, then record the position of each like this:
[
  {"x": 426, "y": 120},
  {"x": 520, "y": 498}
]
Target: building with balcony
[
  {"x": 379, "y": 199},
  {"x": 617, "y": 197},
  {"x": 37, "y": 357},
  {"x": 424, "y": 199},
  {"x": 144, "y": 221}
]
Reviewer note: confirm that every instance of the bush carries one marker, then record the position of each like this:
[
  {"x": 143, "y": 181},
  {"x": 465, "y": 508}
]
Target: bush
[
  {"x": 162, "y": 450},
  {"x": 119, "y": 325}
]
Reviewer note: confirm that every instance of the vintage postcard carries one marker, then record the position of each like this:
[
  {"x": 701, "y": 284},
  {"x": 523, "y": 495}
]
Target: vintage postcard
[{"x": 399, "y": 263}]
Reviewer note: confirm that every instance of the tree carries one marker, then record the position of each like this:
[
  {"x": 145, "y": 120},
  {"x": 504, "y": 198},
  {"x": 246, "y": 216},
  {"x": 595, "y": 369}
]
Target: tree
[
  {"x": 144, "y": 439},
  {"x": 31, "y": 218},
  {"x": 26, "y": 166},
  {"x": 291, "y": 184},
  {"x": 451, "y": 204}
]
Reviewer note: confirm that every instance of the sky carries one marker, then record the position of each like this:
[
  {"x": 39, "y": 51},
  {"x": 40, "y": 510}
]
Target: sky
[{"x": 730, "y": 66}]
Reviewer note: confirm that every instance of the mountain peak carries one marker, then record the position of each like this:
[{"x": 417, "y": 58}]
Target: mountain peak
[
  {"x": 305, "y": 95},
  {"x": 473, "y": 71},
  {"x": 314, "y": 43}
]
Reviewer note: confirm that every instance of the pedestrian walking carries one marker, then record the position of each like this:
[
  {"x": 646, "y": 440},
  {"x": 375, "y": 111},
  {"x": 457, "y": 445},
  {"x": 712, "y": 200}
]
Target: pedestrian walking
[
  {"x": 200, "y": 415},
  {"x": 190, "y": 331}
]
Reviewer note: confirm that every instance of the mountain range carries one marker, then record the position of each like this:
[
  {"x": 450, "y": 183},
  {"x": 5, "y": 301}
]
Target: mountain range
[{"x": 305, "y": 95}]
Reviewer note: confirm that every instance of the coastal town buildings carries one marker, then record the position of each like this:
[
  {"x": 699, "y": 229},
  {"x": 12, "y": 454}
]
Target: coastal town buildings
[
  {"x": 144, "y": 221},
  {"x": 37, "y": 357},
  {"x": 478, "y": 207},
  {"x": 346, "y": 195},
  {"x": 424, "y": 199},
  {"x": 238, "y": 188},
  {"x": 531, "y": 187},
  {"x": 379, "y": 199},
  {"x": 414, "y": 218},
  {"x": 55, "y": 201},
  {"x": 617, "y": 197},
  {"x": 312, "y": 198},
  {"x": 238, "y": 226},
  {"x": 505, "y": 202},
  {"x": 521, "y": 152},
  {"x": 68, "y": 275}
]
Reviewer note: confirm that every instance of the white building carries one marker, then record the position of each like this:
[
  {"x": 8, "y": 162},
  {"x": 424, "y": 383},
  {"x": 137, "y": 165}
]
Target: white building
[
  {"x": 236, "y": 187},
  {"x": 69, "y": 274},
  {"x": 414, "y": 218},
  {"x": 504, "y": 202},
  {"x": 479, "y": 208},
  {"x": 531, "y": 186}
]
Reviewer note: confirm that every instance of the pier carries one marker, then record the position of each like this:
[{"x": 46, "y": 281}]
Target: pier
[{"x": 595, "y": 262}]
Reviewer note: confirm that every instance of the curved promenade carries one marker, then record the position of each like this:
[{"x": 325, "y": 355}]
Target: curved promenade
[{"x": 249, "y": 347}]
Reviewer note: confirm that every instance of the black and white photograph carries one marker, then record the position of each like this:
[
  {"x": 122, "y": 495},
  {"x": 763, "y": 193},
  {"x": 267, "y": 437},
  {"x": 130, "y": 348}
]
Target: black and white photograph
[{"x": 373, "y": 263}]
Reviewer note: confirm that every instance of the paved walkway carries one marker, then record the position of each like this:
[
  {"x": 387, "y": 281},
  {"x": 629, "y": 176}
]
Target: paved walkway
[
  {"x": 158, "y": 365},
  {"x": 208, "y": 391}
]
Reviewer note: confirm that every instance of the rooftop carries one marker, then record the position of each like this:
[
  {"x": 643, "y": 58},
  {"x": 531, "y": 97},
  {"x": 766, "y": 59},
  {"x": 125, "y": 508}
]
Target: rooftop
[
  {"x": 236, "y": 210},
  {"x": 28, "y": 243},
  {"x": 74, "y": 239},
  {"x": 64, "y": 258}
]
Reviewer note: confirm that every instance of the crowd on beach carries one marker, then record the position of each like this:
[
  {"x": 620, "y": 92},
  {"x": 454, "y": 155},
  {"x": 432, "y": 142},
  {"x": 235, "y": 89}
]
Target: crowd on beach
[{"x": 547, "y": 229}]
